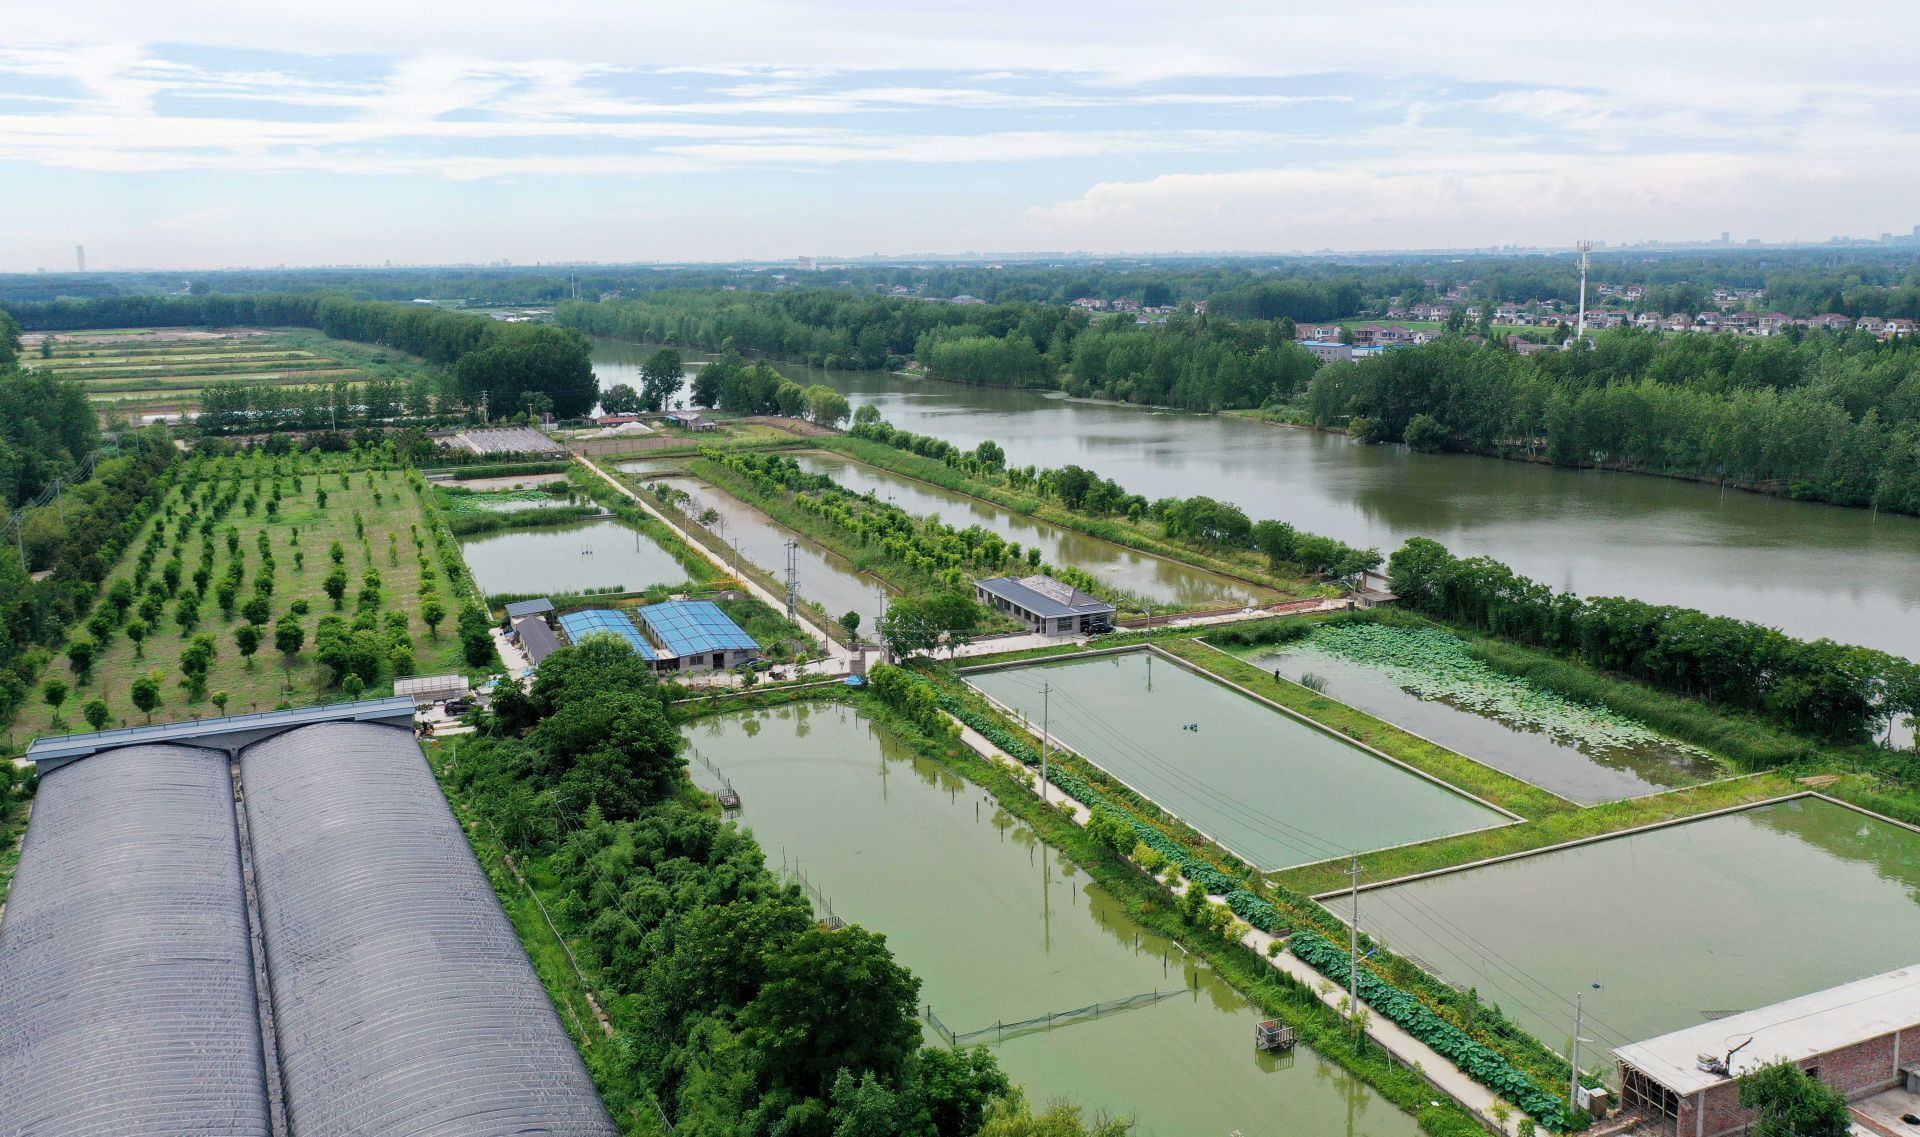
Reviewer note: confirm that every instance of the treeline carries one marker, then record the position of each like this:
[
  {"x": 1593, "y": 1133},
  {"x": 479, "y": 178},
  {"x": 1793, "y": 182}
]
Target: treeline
[
  {"x": 47, "y": 429},
  {"x": 738, "y": 1012},
  {"x": 503, "y": 363},
  {"x": 757, "y": 389},
  {"x": 1824, "y": 689},
  {"x": 1184, "y": 361},
  {"x": 1820, "y": 417},
  {"x": 76, "y": 544},
  {"x": 243, "y": 408}
]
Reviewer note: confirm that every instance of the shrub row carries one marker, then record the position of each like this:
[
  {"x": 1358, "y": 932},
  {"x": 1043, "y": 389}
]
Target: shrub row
[{"x": 1480, "y": 1062}]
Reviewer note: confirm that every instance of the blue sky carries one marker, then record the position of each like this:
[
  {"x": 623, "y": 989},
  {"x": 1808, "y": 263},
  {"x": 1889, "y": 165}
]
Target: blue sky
[{"x": 203, "y": 134}]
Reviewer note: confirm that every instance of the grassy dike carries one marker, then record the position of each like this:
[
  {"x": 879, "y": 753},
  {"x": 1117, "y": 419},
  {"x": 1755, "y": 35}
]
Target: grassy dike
[{"x": 1143, "y": 536}]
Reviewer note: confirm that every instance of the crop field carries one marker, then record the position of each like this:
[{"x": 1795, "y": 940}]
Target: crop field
[
  {"x": 163, "y": 370},
  {"x": 201, "y": 569}
]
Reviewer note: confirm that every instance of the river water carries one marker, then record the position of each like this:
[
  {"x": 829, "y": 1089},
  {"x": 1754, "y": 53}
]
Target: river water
[
  {"x": 999, "y": 928},
  {"x": 1812, "y": 570}
]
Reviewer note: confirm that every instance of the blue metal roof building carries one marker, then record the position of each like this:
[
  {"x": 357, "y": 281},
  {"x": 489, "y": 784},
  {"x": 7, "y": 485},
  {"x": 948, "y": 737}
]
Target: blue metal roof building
[
  {"x": 607, "y": 621},
  {"x": 696, "y": 633}
]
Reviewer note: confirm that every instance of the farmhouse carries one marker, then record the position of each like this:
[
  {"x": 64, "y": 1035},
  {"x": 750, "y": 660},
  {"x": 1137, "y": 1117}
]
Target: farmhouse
[
  {"x": 1861, "y": 1038},
  {"x": 1046, "y": 605}
]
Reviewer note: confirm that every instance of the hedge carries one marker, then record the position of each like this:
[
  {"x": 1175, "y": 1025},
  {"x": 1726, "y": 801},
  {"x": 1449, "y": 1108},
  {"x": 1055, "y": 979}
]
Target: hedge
[{"x": 1480, "y": 1062}]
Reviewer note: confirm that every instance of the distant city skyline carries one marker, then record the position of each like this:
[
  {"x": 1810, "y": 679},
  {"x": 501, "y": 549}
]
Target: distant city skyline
[{"x": 196, "y": 136}]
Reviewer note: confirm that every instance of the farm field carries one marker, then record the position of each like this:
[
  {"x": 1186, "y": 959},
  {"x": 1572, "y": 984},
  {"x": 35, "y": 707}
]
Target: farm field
[
  {"x": 162, "y": 371},
  {"x": 374, "y": 518}
]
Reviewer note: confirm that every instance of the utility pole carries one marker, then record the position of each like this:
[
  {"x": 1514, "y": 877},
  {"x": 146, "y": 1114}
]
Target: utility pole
[
  {"x": 1046, "y": 693},
  {"x": 793, "y": 578},
  {"x": 1573, "y": 1081},
  {"x": 1353, "y": 948}
]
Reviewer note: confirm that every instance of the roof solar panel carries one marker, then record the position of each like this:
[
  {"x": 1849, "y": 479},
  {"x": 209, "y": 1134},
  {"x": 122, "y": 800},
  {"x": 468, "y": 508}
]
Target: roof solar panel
[
  {"x": 692, "y": 627},
  {"x": 581, "y": 624}
]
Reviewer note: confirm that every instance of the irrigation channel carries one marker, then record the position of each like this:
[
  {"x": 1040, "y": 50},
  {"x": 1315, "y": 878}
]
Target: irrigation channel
[
  {"x": 1813, "y": 570},
  {"x": 1584, "y": 754},
  {"x": 1144, "y": 575},
  {"x": 826, "y": 578},
  {"x": 577, "y": 557},
  {"x": 1270, "y": 788},
  {"x": 1678, "y": 924},
  {"x": 1000, "y": 929}
]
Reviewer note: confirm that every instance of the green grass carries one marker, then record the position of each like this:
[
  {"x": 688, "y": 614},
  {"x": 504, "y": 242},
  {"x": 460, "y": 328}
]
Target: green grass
[{"x": 260, "y": 687}]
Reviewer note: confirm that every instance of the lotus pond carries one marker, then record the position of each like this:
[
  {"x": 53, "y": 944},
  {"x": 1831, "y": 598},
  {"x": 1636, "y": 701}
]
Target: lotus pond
[
  {"x": 998, "y": 927},
  {"x": 1424, "y": 680},
  {"x": 1676, "y": 924},
  {"x": 1272, "y": 789}
]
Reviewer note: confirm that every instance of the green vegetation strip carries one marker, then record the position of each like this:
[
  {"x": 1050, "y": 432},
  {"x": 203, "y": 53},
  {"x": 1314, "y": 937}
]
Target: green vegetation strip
[{"x": 1479, "y": 1062}]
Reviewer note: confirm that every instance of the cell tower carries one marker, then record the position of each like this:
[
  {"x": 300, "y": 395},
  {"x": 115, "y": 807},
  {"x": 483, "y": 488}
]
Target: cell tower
[{"x": 1580, "y": 325}]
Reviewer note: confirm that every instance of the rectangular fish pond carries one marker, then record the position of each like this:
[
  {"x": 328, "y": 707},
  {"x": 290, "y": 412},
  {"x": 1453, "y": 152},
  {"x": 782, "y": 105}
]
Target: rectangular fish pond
[
  {"x": 1274, "y": 790},
  {"x": 579, "y": 557},
  {"x": 1424, "y": 680},
  {"x": 999, "y": 928},
  {"x": 1678, "y": 925}
]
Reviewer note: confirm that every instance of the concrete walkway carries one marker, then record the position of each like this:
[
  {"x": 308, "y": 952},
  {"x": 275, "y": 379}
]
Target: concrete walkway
[
  {"x": 1442, "y": 1074},
  {"x": 839, "y": 660}
]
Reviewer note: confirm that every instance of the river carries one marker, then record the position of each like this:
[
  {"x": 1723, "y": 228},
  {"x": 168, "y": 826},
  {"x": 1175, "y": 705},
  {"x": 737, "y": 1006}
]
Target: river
[{"x": 1812, "y": 570}]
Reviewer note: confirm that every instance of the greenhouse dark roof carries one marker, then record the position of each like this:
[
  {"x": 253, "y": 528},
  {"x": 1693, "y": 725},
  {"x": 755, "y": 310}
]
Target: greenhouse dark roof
[
  {"x": 228, "y": 734},
  {"x": 127, "y": 1001},
  {"x": 402, "y": 996},
  {"x": 521, "y": 608}
]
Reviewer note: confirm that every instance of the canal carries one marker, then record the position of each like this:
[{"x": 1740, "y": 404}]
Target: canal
[
  {"x": 578, "y": 557},
  {"x": 1152, "y": 578},
  {"x": 1677, "y": 925},
  {"x": 1813, "y": 570},
  {"x": 1271, "y": 788},
  {"x": 998, "y": 927},
  {"x": 825, "y": 577}
]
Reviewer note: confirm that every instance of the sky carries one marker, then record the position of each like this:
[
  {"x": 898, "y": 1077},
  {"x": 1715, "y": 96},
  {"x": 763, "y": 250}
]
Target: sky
[{"x": 199, "y": 134}]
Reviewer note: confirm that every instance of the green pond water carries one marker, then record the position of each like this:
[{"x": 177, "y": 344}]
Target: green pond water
[
  {"x": 569, "y": 558},
  {"x": 826, "y": 578},
  {"x": 1676, "y": 924},
  {"x": 1274, "y": 790},
  {"x": 998, "y": 927},
  {"x": 1140, "y": 574},
  {"x": 1579, "y": 770}
]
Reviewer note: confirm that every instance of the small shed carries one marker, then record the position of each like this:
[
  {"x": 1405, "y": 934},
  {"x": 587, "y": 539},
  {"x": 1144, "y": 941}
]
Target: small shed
[
  {"x": 522, "y": 608},
  {"x": 425, "y": 690},
  {"x": 1048, "y": 606}
]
